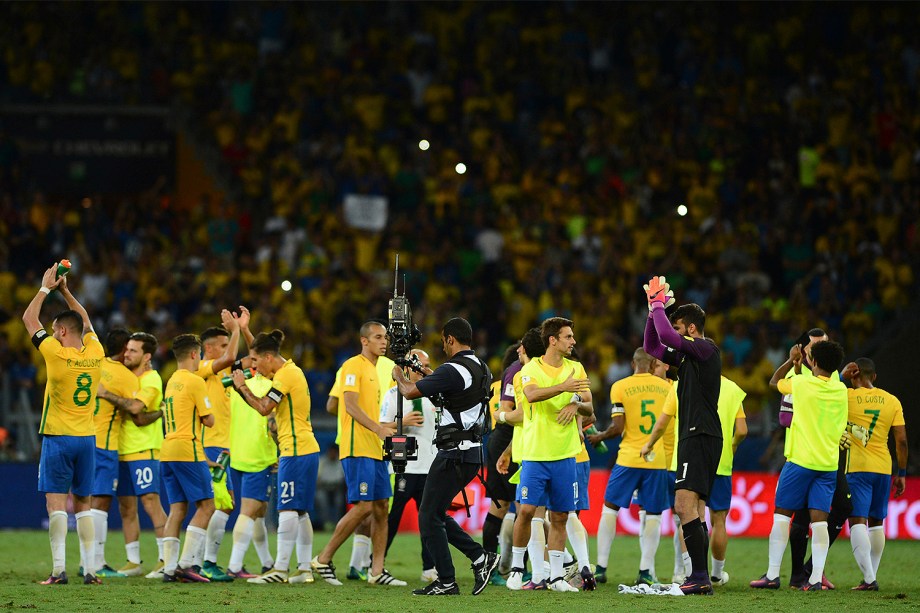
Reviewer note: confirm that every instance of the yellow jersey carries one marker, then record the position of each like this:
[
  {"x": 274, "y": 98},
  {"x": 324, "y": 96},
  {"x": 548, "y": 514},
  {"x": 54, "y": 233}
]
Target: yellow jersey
[
  {"x": 520, "y": 402},
  {"x": 336, "y": 392},
  {"x": 143, "y": 443},
  {"x": 670, "y": 433},
  {"x": 495, "y": 400},
  {"x": 639, "y": 398},
  {"x": 186, "y": 399},
  {"x": 545, "y": 440},
  {"x": 360, "y": 376},
  {"x": 117, "y": 379},
  {"x": 70, "y": 394},
  {"x": 877, "y": 411},
  {"x": 219, "y": 434},
  {"x": 670, "y": 408},
  {"x": 730, "y": 398},
  {"x": 295, "y": 432}
]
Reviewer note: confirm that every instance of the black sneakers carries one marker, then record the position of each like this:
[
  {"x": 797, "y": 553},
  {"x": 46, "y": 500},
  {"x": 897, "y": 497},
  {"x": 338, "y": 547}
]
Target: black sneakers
[
  {"x": 436, "y": 588},
  {"x": 482, "y": 572}
]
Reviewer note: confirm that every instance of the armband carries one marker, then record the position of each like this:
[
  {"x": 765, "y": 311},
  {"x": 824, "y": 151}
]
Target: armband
[
  {"x": 618, "y": 409},
  {"x": 274, "y": 395},
  {"x": 501, "y": 416},
  {"x": 902, "y": 472},
  {"x": 238, "y": 365},
  {"x": 39, "y": 337}
]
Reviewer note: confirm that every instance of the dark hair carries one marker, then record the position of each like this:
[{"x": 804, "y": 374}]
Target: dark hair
[
  {"x": 533, "y": 344},
  {"x": 214, "y": 332},
  {"x": 690, "y": 314},
  {"x": 268, "y": 342},
  {"x": 365, "y": 331},
  {"x": 71, "y": 320},
  {"x": 148, "y": 341},
  {"x": 866, "y": 367},
  {"x": 551, "y": 327},
  {"x": 460, "y": 329},
  {"x": 827, "y": 355},
  {"x": 510, "y": 356},
  {"x": 184, "y": 343},
  {"x": 817, "y": 333},
  {"x": 115, "y": 341}
]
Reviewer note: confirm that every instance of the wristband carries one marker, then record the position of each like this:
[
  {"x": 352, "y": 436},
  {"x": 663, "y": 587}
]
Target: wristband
[
  {"x": 501, "y": 416},
  {"x": 902, "y": 472},
  {"x": 44, "y": 290}
]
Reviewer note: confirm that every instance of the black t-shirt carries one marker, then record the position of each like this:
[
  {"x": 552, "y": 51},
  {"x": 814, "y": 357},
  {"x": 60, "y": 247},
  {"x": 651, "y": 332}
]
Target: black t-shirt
[{"x": 699, "y": 371}]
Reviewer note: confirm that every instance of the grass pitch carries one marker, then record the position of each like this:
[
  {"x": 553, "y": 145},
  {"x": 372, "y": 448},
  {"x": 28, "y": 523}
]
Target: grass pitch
[{"x": 25, "y": 560}]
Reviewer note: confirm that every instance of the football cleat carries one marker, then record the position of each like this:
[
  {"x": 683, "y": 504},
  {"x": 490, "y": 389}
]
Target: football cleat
[
  {"x": 130, "y": 569},
  {"x": 272, "y": 576},
  {"x": 498, "y": 580},
  {"x": 645, "y": 577},
  {"x": 765, "y": 583},
  {"x": 694, "y": 585},
  {"x": 515, "y": 580},
  {"x": 717, "y": 581},
  {"x": 865, "y": 587},
  {"x": 108, "y": 571},
  {"x": 482, "y": 572},
  {"x": 436, "y": 588},
  {"x": 570, "y": 570},
  {"x": 242, "y": 573},
  {"x": 52, "y": 580},
  {"x": 191, "y": 574},
  {"x": 214, "y": 572},
  {"x": 325, "y": 571},
  {"x": 301, "y": 575},
  {"x": 530, "y": 585},
  {"x": 157, "y": 572},
  {"x": 560, "y": 585},
  {"x": 600, "y": 574},
  {"x": 91, "y": 579},
  {"x": 169, "y": 578},
  {"x": 385, "y": 578},
  {"x": 588, "y": 580},
  {"x": 356, "y": 574},
  {"x": 815, "y": 587}
]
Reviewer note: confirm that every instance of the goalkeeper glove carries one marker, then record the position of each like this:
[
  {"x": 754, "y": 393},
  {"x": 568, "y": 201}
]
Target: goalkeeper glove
[
  {"x": 658, "y": 290},
  {"x": 845, "y": 440},
  {"x": 860, "y": 433}
]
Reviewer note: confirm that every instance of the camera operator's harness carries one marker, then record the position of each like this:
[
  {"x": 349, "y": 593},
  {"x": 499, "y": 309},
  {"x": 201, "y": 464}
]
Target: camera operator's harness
[{"x": 448, "y": 437}]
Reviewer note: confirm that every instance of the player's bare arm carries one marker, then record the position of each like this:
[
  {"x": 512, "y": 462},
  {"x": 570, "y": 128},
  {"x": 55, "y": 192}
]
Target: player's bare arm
[
  {"x": 571, "y": 385},
  {"x": 30, "y": 316},
  {"x": 263, "y": 405},
  {"x": 661, "y": 425},
  {"x": 900, "y": 448},
  {"x": 74, "y": 304},
  {"x": 351, "y": 406},
  {"x": 615, "y": 429},
  {"x": 795, "y": 357},
  {"x": 231, "y": 324}
]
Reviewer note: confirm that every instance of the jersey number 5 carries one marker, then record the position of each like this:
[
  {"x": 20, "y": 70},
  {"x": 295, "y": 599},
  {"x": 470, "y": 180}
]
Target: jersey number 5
[{"x": 647, "y": 413}]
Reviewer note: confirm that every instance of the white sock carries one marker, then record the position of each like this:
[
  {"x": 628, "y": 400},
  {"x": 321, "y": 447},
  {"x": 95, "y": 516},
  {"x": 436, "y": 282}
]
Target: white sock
[
  {"x": 216, "y": 528},
  {"x": 678, "y": 548},
  {"x": 194, "y": 539},
  {"x": 820, "y": 543},
  {"x": 688, "y": 563},
  {"x": 260, "y": 542},
  {"x": 717, "y": 567},
  {"x": 170, "y": 555},
  {"x": 57, "y": 534},
  {"x": 642, "y": 516},
  {"x": 101, "y": 527},
  {"x": 652, "y": 537},
  {"x": 779, "y": 537},
  {"x": 578, "y": 536},
  {"x": 86, "y": 531},
  {"x": 360, "y": 550},
  {"x": 517, "y": 556},
  {"x": 242, "y": 536},
  {"x": 537, "y": 547},
  {"x": 133, "y": 552},
  {"x": 567, "y": 557},
  {"x": 606, "y": 530},
  {"x": 287, "y": 538},
  {"x": 555, "y": 565},
  {"x": 862, "y": 550},
  {"x": 304, "y": 542},
  {"x": 877, "y": 539},
  {"x": 505, "y": 538},
  {"x": 160, "y": 554}
]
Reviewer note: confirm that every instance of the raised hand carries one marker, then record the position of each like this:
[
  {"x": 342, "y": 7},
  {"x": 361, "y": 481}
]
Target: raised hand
[
  {"x": 244, "y": 317},
  {"x": 795, "y": 354},
  {"x": 849, "y": 371},
  {"x": 228, "y": 320},
  {"x": 50, "y": 279},
  {"x": 658, "y": 290}
]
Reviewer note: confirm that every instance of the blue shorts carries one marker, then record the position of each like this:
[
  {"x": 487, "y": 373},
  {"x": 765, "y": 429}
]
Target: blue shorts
[
  {"x": 257, "y": 485},
  {"x": 672, "y": 486},
  {"x": 106, "y": 481},
  {"x": 67, "y": 464},
  {"x": 517, "y": 495},
  {"x": 296, "y": 482},
  {"x": 138, "y": 477},
  {"x": 555, "y": 483},
  {"x": 583, "y": 471},
  {"x": 211, "y": 453},
  {"x": 365, "y": 479},
  {"x": 720, "y": 496},
  {"x": 187, "y": 481},
  {"x": 870, "y": 493},
  {"x": 801, "y": 488},
  {"x": 652, "y": 485}
]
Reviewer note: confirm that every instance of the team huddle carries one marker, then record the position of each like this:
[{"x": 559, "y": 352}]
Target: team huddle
[{"x": 110, "y": 429}]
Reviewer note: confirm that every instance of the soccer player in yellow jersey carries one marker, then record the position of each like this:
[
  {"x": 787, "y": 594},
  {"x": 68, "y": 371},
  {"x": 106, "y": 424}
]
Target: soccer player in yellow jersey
[
  {"x": 361, "y": 450},
  {"x": 115, "y": 396},
  {"x": 289, "y": 398},
  {"x": 139, "y": 455},
  {"x": 551, "y": 442},
  {"x": 73, "y": 359},
  {"x": 636, "y": 400},
  {"x": 869, "y": 466},
  {"x": 185, "y": 469}
]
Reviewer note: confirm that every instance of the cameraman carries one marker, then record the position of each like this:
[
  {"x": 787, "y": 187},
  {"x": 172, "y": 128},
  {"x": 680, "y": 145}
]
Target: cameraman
[{"x": 464, "y": 382}]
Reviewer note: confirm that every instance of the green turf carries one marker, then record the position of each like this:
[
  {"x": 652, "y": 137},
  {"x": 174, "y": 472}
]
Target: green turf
[{"x": 25, "y": 559}]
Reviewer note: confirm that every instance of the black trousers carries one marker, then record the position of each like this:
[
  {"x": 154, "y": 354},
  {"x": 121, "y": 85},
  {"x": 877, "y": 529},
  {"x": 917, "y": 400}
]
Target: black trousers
[
  {"x": 407, "y": 487},
  {"x": 450, "y": 472}
]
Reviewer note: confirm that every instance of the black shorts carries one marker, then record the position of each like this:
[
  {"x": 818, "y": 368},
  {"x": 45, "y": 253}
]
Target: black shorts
[
  {"x": 697, "y": 462},
  {"x": 497, "y": 484}
]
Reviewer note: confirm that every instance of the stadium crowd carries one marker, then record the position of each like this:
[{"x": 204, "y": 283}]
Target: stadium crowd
[{"x": 793, "y": 147}]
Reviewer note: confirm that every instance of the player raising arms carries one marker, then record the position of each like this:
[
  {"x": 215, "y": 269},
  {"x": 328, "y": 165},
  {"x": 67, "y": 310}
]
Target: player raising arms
[
  {"x": 869, "y": 467},
  {"x": 73, "y": 359},
  {"x": 185, "y": 470},
  {"x": 289, "y": 397},
  {"x": 681, "y": 342}
]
